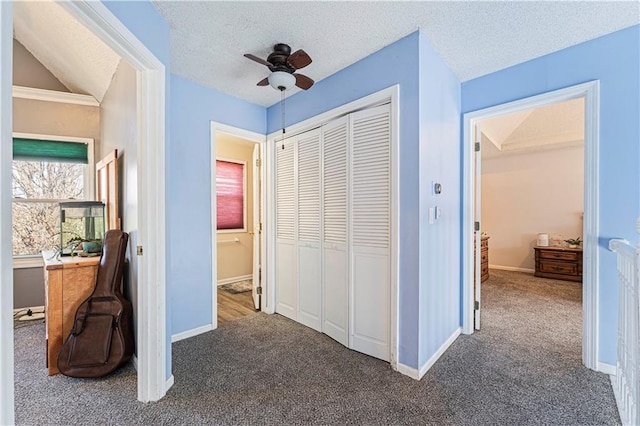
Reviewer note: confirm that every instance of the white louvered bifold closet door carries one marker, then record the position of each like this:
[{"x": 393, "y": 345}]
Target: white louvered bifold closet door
[
  {"x": 370, "y": 231},
  {"x": 286, "y": 218},
  {"x": 335, "y": 215},
  {"x": 309, "y": 253}
]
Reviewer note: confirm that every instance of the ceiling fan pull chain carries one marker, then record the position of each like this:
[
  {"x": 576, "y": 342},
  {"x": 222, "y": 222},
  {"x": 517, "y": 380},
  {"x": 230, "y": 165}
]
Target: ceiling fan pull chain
[{"x": 283, "y": 117}]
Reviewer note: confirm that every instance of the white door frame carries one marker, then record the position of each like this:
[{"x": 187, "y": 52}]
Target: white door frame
[
  {"x": 151, "y": 332},
  {"x": 260, "y": 140},
  {"x": 392, "y": 95},
  {"x": 590, "y": 91},
  {"x": 7, "y": 407}
]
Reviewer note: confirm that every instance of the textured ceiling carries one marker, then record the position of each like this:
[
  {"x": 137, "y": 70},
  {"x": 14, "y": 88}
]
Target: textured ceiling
[
  {"x": 555, "y": 126},
  {"x": 73, "y": 54},
  {"x": 474, "y": 38}
]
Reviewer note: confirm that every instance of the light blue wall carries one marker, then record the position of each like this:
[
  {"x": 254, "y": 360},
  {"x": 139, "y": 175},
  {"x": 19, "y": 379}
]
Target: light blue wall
[
  {"x": 192, "y": 109},
  {"x": 146, "y": 23},
  {"x": 395, "y": 64},
  {"x": 428, "y": 150},
  {"x": 613, "y": 59},
  {"x": 439, "y": 120}
]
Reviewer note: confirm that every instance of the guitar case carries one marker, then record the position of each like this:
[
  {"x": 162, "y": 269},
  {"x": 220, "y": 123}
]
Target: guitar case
[{"x": 101, "y": 339}]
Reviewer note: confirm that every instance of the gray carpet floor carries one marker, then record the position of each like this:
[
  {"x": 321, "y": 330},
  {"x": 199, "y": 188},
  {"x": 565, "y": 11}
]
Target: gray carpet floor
[{"x": 522, "y": 368}]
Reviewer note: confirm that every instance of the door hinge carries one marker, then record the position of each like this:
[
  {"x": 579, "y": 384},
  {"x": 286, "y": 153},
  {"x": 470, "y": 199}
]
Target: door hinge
[
  {"x": 476, "y": 226},
  {"x": 260, "y": 227},
  {"x": 139, "y": 250},
  {"x": 476, "y": 306},
  {"x": 259, "y": 290},
  {"x": 477, "y": 147},
  {"x": 259, "y": 274},
  {"x": 258, "y": 162}
]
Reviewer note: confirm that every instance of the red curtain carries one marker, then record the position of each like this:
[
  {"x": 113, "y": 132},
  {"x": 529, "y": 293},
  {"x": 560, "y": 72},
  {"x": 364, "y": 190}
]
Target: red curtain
[{"x": 230, "y": 195}]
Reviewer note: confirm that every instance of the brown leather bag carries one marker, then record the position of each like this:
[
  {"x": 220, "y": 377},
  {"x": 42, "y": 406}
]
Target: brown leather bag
[{"x": 101, "y": 339}]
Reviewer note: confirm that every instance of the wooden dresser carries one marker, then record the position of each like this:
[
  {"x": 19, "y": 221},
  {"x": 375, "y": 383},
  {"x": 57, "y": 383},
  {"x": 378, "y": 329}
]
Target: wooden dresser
[
  {"x": 559, "y": 263},
  {"x": 67, "y": 283},
  {"x": 484, "y": 258}
]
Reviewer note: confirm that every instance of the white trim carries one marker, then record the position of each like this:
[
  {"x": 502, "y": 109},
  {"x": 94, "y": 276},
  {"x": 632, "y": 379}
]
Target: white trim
[
  {"x": 27, "y": 262},
  {"x": 34, "y": 309},
  {"x": 392, "y": 95},
  {"x": 416, "y": 374},
  {"x": 7, "y": 408},
  {"x": 54, "y": 96},
  {"x": 169, "y": 383},
  {"x": 244, "y": 197},
  {"x": 151, "y": 132},
  {"x": 605, "y": 368},
  {"x": 134, "y": 361},
  {"x": 368, "y": 101},
  {"x": 253, "y": 137},
  {"x": 441, "y": 350},
  {"x": 408, "y": 371},
  {"x": 590, "y": 92},
  {"x": 190, "y": 333},
  {"x": 235, "y": 279},
  {"x": 512, "y": 268}
]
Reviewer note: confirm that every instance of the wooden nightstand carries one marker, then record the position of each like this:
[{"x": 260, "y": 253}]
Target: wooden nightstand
[{"x": 559, "y": 263}]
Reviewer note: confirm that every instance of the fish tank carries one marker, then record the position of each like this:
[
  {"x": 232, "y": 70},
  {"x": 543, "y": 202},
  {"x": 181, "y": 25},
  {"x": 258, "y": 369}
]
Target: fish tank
[{"x": 81, "y": 227}]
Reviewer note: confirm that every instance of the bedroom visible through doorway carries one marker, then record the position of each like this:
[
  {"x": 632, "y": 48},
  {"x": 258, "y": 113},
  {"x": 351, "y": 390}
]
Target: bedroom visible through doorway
[{"x": 531, "y": 204}]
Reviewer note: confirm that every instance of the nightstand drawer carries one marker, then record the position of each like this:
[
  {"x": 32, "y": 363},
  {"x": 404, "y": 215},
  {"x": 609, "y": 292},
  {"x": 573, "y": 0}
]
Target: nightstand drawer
[
  {"x": 558, "y": 255},
  {"x": 558, "y": 268}
]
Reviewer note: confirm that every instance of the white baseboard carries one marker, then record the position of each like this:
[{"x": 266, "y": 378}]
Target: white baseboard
[
  {"x": 607, "y": 368},
  {"x": 512, "y": 268},
  {"x": 168, "y": 383},
  {"x": 190, "y": 333},
  {"x": 419, "y": 374},
  {"x": 235, "y": 279},
  {"x": 134, "y": 361},
  {"x": 408, "y": 371},
  {"x": 34, "y": 309}
]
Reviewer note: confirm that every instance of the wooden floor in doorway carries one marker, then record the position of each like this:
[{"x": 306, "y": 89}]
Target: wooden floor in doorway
[{"x": 234, "y": 306}]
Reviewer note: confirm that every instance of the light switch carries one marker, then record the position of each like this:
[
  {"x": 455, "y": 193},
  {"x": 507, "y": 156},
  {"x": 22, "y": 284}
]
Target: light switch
[{"x": 438, "y": 212}]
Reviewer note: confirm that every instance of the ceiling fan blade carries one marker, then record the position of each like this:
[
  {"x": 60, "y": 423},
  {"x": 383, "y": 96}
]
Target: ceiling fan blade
[
  {"x": 258, "y": 60},
  {"x": 303, "y": 82},
  {"x": 299, "y": 59},
  {"x": 264, "y": 82}
]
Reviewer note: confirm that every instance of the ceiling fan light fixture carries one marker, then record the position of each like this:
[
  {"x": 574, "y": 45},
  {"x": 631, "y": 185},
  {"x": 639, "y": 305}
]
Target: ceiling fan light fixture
[{"x": 281, "y": 80}]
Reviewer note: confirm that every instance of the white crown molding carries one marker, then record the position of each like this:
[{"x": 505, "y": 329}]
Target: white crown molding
[{"x": 53, "y": 96}]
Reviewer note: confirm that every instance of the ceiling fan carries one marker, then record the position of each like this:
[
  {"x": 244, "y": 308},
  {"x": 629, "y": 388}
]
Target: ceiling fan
[{"x": 283, "y": 65}]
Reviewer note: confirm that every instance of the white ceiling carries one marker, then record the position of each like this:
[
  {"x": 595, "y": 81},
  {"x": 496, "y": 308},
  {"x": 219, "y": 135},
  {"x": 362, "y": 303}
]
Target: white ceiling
[
  {"x": 74, "y": 55},
  {"x": 555, "y": 126},
  {"x": 208, "y": 38}
]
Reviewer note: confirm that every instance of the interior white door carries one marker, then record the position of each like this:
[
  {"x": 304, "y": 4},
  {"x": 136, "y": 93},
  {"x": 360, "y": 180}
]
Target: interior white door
[
  {"x": 286, "y": 235},
  {"x": 370, "y": 200},
  {"x": 478, "y": 233},
  {"x": 309, "y": 253},
  {"x": 257, "y": 227},
  {"x": 335, "y": 266}
]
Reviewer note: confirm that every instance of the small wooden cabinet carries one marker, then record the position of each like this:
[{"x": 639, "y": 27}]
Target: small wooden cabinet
[
  {"x": 484, "y": 258},
  {"x": 559, "y": 263},
  {"x": 68, "y": 281}
]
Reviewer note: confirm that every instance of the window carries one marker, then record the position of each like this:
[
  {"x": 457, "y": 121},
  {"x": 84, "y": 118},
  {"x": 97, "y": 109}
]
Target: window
[
  {"x": 230, "y": 197},
  {"x": 45, "y": 172}
]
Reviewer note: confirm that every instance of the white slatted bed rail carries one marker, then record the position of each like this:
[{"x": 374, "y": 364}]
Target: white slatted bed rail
[{"x": 627, "y": 381}]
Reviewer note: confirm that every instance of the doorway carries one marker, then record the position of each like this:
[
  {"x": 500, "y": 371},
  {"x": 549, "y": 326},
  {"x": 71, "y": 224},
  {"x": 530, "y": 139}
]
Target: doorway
[
  {"x": 152, "y": 354},
  {"x": 472, "y": 303},
  {"x": 237, "y": 214},
  {"x": 530, "y": 187}
]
